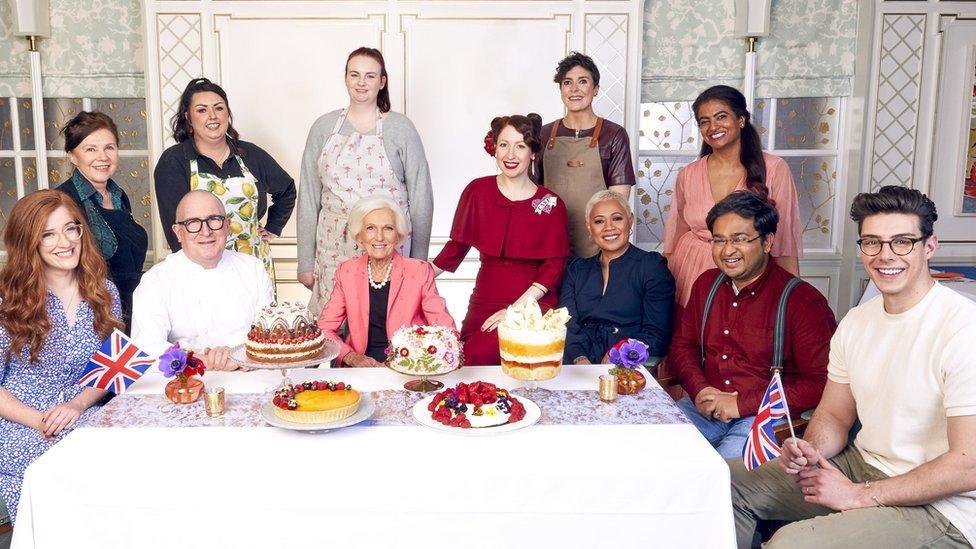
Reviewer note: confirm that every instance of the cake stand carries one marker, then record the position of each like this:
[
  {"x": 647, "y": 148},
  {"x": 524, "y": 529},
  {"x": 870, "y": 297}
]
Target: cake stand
[
  {"x": 424, "y": 384},
  {"x": 330, "y": 350}
]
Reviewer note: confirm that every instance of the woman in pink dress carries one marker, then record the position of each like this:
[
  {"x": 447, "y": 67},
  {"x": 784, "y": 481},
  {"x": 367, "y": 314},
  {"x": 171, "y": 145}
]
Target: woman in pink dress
[{"x": 731, "y": 159}]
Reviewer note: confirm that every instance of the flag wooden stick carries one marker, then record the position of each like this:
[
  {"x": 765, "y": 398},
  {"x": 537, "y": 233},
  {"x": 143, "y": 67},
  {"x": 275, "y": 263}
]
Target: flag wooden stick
[{"x": 785, "y": 404}]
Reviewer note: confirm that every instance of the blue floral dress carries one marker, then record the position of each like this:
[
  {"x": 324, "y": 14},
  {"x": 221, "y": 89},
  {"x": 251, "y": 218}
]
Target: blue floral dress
[{"x": 41, "y": 385}]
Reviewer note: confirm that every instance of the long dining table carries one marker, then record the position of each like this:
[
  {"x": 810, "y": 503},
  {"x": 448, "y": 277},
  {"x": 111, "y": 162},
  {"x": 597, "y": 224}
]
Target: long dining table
[{"x": 149, "y": 473}]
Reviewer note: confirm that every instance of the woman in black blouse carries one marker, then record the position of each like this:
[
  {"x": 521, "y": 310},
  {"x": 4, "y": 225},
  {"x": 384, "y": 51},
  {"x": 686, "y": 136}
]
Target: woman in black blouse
[
  {"x": 209, "y": 154},
  {"x": 91, "y": 140},
  {"x": 622, "y": 292}
]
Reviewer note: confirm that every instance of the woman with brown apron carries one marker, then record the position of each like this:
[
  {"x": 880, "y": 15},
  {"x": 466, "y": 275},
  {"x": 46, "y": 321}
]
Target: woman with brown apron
[
  {"x": 352, "y": 153},
  {"x": 584, "y": 154},
  {"x": 210, "y": 155},
  {"x": 91, "y": 140}
]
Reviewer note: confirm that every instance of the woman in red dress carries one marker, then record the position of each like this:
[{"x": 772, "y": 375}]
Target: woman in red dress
[{"x": 518, "y": 227}]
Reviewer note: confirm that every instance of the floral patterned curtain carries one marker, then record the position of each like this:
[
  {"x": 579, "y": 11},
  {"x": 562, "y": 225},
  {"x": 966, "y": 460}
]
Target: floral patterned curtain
[
  {"x": 690, "y": 45},
  {"x": 810, "y": 50},
  {"x": 95, "y": 50}
]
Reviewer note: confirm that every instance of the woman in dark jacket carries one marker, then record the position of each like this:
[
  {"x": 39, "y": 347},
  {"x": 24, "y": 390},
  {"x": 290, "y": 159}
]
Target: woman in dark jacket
[
  {"x": 91, "y": 140},
  {"x": 621, "y": 292}
]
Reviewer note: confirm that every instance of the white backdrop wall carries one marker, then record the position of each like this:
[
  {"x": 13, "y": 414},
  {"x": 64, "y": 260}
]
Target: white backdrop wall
[{"x": 453, "y": 67}]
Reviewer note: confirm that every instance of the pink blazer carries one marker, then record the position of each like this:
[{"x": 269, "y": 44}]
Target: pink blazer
[{"x": 413, "y": 300}]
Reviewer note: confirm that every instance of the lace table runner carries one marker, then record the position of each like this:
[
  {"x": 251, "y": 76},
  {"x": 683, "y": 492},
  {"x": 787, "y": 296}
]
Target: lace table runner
[{"x": 652, "y": 406}]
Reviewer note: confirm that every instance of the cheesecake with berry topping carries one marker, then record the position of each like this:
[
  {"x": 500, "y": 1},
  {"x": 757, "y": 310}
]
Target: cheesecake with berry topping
[
  {"x": 475, "y": 405},
  {"x": 283, "y": 333},
  {"x": 316, "y": 402}
]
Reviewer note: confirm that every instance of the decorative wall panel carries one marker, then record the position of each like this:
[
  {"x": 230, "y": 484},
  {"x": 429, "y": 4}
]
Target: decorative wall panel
[
  {"x": 180, "y": 59},
  {"x": 606, "y": 42},
  {"x": 896, "y": 117}
]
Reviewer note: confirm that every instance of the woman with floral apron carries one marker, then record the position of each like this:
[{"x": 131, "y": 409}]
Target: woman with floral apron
[
  {"x": 209, "y": 154},
  {"x": 353, "y": 153},
  {"x": 356, "y": 167}
]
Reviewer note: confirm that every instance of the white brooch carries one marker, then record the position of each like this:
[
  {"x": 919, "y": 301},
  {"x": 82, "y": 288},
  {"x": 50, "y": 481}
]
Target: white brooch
[{"x": 545, "y": 204}]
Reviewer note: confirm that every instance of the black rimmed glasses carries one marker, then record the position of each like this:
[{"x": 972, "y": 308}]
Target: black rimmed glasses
[
  {"x": 900, "y": 245},
  {"x": 195, "y": 224},
  {"x": 738, "y": 241}
]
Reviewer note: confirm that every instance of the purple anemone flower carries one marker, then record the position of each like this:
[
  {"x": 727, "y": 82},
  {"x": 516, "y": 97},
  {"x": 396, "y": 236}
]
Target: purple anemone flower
[
  {"x": 173, "y": 361},
  {"x": 630, "y": 354}
]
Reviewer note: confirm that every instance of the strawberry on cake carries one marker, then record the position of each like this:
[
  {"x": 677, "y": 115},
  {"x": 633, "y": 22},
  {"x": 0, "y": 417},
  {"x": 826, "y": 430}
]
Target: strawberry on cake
[{"x": 475, "y": 405}]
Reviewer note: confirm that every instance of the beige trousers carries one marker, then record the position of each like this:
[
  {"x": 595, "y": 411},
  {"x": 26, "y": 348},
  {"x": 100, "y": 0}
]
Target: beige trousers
[{"x": 768, "y": 493}]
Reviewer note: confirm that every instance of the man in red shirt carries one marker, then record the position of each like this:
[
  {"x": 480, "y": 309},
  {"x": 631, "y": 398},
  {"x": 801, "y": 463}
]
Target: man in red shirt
[{"x": 727, "y": 378}]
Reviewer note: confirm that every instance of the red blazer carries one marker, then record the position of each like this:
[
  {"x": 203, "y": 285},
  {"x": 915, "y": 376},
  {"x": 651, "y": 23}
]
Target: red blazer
[{"x": 413, "y": 300}]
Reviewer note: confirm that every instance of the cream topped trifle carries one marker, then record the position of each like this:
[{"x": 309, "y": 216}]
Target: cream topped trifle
[{"x": 532, "y": 343}]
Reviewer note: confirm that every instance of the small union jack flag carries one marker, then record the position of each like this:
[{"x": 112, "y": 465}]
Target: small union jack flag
[
  {"x": 115, "y": 365},
  {"x": 761, "y": 445}
]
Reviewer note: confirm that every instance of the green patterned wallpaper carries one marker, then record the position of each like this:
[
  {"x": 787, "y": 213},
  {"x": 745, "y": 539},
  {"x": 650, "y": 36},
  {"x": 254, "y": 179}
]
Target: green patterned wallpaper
[{"x": 95, "y": 50}]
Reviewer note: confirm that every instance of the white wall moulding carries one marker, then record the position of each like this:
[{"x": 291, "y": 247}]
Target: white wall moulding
[
  {"x": 952, "y": 136},
  {"x": 453, "y": 114},
  {"x": 899, "y": 70},
  {"x": 453, "y": 67},
  {"x": 300, "y": 85},
  {"x": 179, "y": 59},
  {"x": 605, "y": 40}
]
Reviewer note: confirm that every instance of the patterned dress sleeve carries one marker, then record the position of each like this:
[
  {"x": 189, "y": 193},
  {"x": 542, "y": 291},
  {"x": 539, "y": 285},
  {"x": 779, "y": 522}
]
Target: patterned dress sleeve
[
  {"x": 116, "y": 301},
  {"x": 788, "y": 241},
  {"x": 4, "y": 348},
  {"x": 310, "y": 193}
]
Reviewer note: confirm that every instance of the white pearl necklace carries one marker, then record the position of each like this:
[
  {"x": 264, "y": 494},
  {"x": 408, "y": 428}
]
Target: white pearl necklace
[{"x": 386, "y": 277}]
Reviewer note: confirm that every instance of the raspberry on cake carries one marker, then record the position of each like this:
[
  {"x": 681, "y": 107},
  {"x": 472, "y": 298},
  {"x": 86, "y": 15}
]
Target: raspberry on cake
[
  {"x": 424, "y": 350},
  {"x": 531, "y": 344},
  {"x": 316, "y": 402},
  {"x": 282, "y": 333},
  {"x": 475, "y": 405}
]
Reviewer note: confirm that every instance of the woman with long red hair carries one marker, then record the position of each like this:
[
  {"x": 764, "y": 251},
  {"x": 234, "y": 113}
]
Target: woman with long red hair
[{"x": 56, "y": 308}]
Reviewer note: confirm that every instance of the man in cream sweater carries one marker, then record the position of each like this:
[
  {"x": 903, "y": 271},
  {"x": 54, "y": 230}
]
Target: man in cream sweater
[{"x": 903, "y": 364}]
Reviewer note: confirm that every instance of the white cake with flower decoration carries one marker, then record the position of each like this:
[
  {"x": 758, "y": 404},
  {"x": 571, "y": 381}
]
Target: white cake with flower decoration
[{"x": 424, "y": 350}]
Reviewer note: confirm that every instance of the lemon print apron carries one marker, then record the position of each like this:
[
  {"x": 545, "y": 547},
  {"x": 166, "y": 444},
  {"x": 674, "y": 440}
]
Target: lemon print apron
[
  {"x": 240, "y": 198},
  {"x": 350, "y": 168}
]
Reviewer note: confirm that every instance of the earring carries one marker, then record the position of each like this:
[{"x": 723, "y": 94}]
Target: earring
[{"x": 742, "y": 125}]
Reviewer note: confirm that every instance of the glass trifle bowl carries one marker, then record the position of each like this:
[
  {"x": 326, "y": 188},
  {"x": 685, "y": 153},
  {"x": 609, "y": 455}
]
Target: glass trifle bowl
[{"x": 530, "y": 343}]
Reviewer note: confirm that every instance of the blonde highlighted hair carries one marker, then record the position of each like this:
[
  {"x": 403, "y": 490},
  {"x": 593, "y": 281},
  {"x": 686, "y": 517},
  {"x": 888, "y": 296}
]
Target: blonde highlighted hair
[{"x": 600, "y": 196}]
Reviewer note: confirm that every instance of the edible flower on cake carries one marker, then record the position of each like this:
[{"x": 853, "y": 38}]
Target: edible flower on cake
[{"x": 424, "y": 350}]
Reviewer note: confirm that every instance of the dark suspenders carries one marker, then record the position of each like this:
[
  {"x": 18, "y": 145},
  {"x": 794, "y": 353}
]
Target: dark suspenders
[{"x": 779, "y": 326}]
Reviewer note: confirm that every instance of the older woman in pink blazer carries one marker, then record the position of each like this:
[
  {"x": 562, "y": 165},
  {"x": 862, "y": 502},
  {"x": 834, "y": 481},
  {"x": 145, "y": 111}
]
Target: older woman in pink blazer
[{"x": 380, "y": 291}]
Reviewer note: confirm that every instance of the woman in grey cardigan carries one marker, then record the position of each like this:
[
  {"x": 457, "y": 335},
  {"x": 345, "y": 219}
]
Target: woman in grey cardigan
[{"x": 352, "y": 153}]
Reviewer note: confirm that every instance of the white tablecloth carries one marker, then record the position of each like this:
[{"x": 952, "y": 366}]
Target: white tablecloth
[{"x": 377, "y": 486}]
